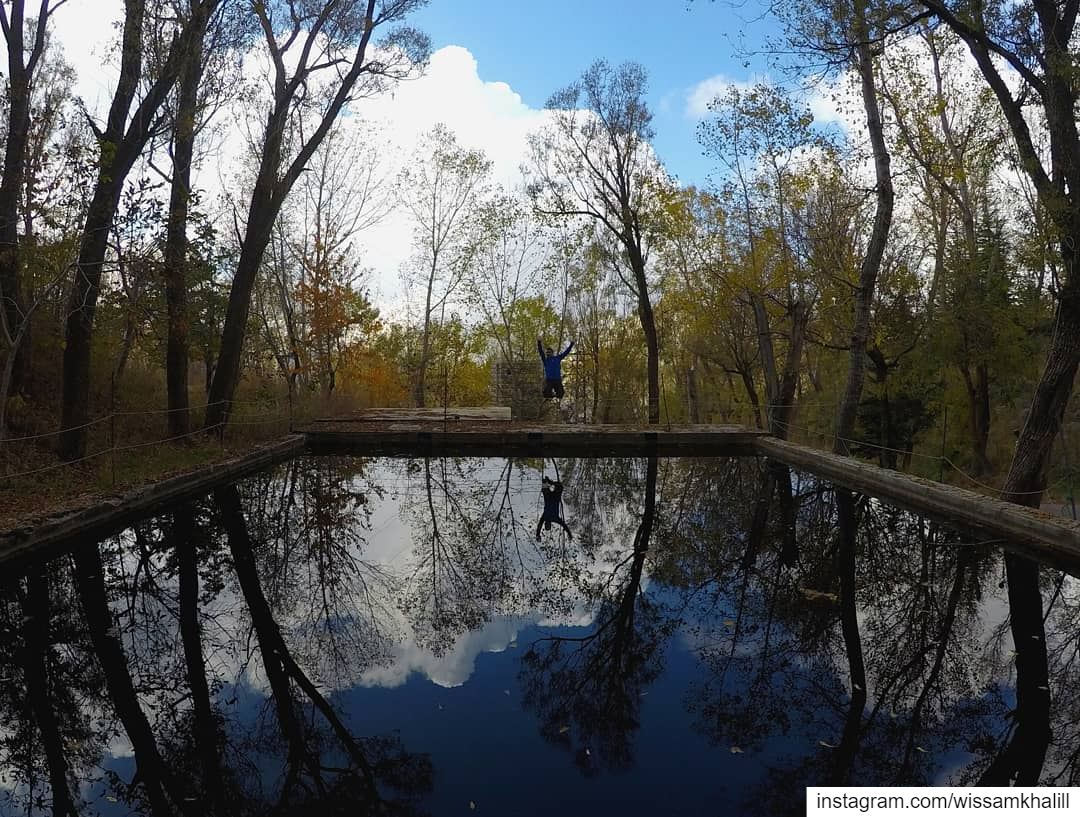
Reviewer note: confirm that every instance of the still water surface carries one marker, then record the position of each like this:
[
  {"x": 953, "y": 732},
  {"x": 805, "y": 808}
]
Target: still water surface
[{"x": 341, "y": 635}]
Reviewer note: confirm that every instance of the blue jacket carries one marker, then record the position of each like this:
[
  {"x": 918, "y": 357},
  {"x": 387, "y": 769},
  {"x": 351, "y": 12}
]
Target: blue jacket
[{"x": 553, "y": 364}]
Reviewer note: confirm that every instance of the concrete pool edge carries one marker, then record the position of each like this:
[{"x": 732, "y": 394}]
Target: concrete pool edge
[
  {"x": 116, "y": 511},
  {"x": 1048, "y": 535},
  {"x": 1038, "y": 533}
]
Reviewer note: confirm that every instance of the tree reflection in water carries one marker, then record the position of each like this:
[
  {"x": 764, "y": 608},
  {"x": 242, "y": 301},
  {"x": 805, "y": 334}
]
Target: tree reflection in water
[
  {"x": 587, "y": 690},
  {"x": 138, "y": 640},
  {"x": 193, "y": 663}
]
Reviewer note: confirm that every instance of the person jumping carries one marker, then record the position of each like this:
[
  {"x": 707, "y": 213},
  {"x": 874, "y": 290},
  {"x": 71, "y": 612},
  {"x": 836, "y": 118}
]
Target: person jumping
[
  {"x": 553, "y": 386},
  {"x": 552, "y": 491}
]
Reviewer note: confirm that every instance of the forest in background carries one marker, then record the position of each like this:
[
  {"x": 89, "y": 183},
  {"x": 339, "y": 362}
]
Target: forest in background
[{"x": 903, "y": 289}]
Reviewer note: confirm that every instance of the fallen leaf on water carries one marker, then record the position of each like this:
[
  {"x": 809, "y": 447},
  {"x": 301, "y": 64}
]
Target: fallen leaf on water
[
  {"x": 920, "y": 749},
  {"x": 472, "y": 805},
  {"x": 826, "y": 745},
  {"x": 729, "y": 622},
  {"x": 1046, "y": 689},
  {"x": 110, "y": 798},
  {"x": 588, "y": 753},
  {"x": 856, "y": 686},
  {"x": 563, "y": 730},
  {"x": 735, "y": 750}
]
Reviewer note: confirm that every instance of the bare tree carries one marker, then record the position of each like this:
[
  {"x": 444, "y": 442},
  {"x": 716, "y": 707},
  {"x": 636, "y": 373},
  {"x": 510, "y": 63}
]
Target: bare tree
[
  {"x": 309, "y": 42},
  {"x": 185, "y": 126},
  {"x": 594, "y": 161},
  {"x": 441, "y": 189},
  {"x": 22, "y": 67},
  {"x": 121, "y": 142}
]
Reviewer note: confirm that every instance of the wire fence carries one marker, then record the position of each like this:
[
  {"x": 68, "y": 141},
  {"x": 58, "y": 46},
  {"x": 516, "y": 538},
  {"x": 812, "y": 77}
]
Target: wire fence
[
  {"x": 105, "y": 439},
  {"x": 618, "y": 408}
]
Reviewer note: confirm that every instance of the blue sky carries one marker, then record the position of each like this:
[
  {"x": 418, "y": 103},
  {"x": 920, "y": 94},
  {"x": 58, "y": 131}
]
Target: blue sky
[{"x": 538, "y": 47}]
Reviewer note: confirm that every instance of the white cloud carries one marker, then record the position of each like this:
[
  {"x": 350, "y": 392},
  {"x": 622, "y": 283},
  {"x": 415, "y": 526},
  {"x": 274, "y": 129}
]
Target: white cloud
[
  {"x": 489, "y": 116},
  {"x": 826, "y": 103},
  {"x": 700, "y": 95},
  {"x": 824, "y": 100},
  {"x": 451, "y": 669}
]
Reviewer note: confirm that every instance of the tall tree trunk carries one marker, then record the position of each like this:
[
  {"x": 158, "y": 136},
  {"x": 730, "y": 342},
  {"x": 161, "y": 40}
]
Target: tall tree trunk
[
  {"x": 1026, "y": 480},
  {"x": 752, "y": 395},
  {"x": 177, "y": 351},
  {"x": 978, "y": 393},
  {"x": 20, "y": 77},
  {"x": 849, "y": 624},
  {"x": 78, "y": 331},
  {"x": 38, "y": 683},
  {"x": 271, "y": 188},
  {"x": 206, "y": 732},
  {"x": 789, "y": 381},
  {"x": 122, "y": 141},
  {"x": 420, "y": 390},
  {"x": 153, "y": 774},
  {"x": 875, "y": 250},
  {"x": 648, "y": 326},
  {"x": 768, "y": 356},
  {"x": 1021, "y": 760},
  {"x": 227, "y": 371}
]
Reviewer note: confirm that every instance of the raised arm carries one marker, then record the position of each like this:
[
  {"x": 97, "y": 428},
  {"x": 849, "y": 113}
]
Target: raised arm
[
  {"x": 540, "y": 348},
  {"x": 566, "y": 351}
]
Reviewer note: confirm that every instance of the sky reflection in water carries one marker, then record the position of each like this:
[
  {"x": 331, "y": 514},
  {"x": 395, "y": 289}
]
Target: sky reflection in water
[{"x": 339, "y": 635}]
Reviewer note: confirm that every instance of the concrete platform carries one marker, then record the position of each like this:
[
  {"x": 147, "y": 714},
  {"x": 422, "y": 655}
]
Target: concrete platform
[
  {"x": 491, "y": 432},
  {"x": 1042, "y": 535},
  {"x": 426, "y": 415},
  {"x": 469, "y": 435}
]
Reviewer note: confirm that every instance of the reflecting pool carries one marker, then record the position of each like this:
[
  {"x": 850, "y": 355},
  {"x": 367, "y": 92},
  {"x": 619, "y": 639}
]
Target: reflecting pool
[{"x": 341, "y": 635}]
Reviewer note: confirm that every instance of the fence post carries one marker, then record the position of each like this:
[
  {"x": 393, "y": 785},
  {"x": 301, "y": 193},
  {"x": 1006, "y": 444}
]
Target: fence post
[{"x": 944, "y": 430}]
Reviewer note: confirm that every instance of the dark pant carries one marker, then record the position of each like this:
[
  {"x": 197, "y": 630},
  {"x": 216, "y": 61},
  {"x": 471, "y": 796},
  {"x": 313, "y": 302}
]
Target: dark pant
[{"x": 553, "y": 388}]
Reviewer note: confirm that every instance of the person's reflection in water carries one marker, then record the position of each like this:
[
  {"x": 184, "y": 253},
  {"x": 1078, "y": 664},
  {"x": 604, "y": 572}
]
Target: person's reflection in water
[{"x": 552, "y": 491}]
